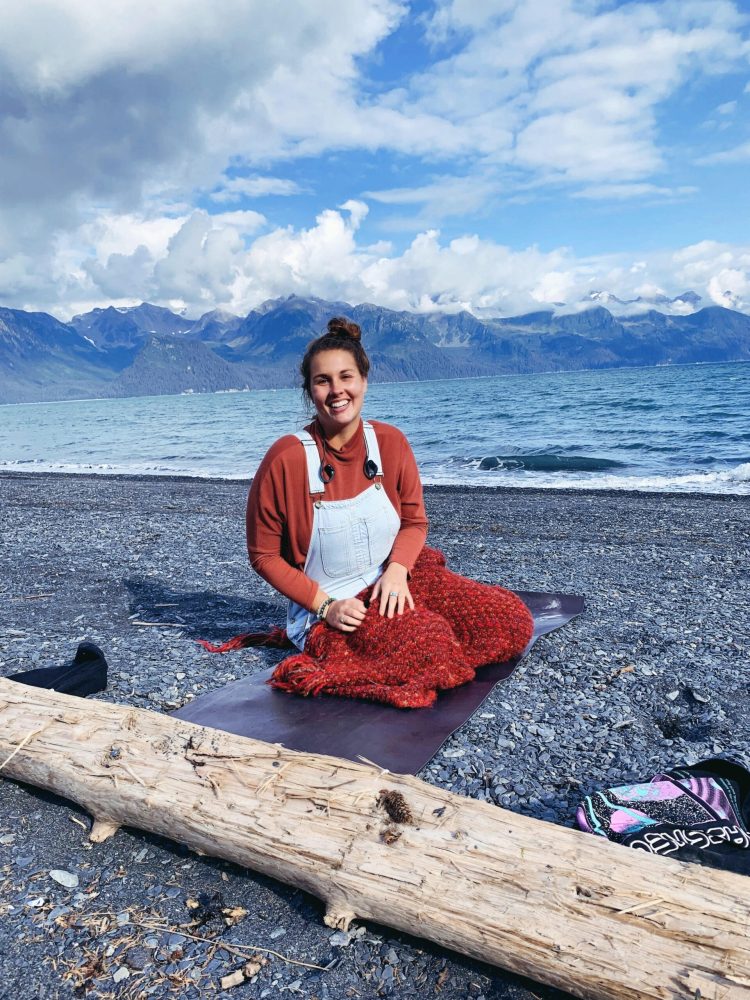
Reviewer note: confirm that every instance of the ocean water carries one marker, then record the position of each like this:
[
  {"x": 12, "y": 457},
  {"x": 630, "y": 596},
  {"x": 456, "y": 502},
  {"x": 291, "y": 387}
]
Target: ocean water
[{"x": 684, "y": 428}]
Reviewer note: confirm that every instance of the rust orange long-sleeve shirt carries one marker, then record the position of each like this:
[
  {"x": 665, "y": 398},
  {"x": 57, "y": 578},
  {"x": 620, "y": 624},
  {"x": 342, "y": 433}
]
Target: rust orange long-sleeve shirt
[{"x": 280, "y": 508}]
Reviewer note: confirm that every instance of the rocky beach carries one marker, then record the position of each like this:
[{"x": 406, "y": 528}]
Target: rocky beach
[{"x": 653, "y": 675}]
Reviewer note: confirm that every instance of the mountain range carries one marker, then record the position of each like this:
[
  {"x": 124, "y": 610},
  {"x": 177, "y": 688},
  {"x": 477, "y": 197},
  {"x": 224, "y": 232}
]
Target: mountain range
[{"x": 148, "y": 350}]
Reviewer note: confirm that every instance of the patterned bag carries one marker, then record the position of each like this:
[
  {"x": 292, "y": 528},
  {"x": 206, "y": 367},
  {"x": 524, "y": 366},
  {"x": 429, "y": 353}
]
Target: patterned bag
[{"x": 698, "y": 813}]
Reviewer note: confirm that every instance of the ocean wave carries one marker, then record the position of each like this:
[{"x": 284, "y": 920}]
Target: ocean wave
[
  {"x": 634, "y": 405},
  {"x": 709, "y": 436},
  {"x": 119, "y": 469},
  {"x": 734, "y": 481},
  {"x": 643, "y": 446},
  {"x": 548, "y": 463}
]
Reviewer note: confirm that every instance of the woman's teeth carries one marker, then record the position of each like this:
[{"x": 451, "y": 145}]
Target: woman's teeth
[{"x": 340, "y": 405}]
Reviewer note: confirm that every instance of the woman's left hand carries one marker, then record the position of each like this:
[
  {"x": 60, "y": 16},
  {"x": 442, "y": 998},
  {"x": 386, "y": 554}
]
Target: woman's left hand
[{"x": 392, "y": 588}]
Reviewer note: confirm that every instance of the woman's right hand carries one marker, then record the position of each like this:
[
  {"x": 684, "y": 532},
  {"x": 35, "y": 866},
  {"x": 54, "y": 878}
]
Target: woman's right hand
[{"x": 346, "y": 615}]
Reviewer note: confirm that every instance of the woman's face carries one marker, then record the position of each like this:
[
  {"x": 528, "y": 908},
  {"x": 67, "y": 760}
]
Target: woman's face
[{"x": 338, "y": 392}]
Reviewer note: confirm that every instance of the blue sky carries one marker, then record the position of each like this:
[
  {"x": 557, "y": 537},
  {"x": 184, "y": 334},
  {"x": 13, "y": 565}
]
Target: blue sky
[{"x": 494, "y": 155}]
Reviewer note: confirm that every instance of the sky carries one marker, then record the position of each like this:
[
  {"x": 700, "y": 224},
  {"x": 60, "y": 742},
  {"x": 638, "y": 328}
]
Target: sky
[{"x": 500, "y": 156}]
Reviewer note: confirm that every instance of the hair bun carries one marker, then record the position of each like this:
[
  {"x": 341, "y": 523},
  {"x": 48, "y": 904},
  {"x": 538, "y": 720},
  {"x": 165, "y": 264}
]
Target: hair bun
[{"x": 339, "y": 326}]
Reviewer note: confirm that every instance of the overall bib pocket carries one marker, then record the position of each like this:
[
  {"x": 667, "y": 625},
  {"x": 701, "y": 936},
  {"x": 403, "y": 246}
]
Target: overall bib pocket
[{"x": 336, "y": 551}]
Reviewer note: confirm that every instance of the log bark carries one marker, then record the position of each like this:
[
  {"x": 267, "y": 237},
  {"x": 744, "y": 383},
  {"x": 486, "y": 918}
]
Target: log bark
[{"x": 554, "y": 904}]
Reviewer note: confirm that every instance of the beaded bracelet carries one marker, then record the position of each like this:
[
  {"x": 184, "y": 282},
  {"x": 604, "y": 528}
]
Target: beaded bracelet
[{"x": 323, "y": 609}]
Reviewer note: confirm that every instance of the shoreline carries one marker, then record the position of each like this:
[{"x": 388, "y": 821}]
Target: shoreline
[
  {"x": 653, "y": 675},
  {"x": 589, "y": 492}
]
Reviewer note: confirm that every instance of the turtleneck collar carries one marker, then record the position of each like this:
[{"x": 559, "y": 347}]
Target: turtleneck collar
[{"x": 353, "y": 448}]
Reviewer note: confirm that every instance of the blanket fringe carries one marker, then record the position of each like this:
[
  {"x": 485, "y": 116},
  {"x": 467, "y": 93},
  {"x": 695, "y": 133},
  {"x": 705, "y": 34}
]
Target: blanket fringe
[{"x": 276, "y": 639}]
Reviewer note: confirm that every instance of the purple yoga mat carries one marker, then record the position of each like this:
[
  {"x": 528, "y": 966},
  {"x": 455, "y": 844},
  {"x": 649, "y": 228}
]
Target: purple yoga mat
[{"x": 402, "y": 740}]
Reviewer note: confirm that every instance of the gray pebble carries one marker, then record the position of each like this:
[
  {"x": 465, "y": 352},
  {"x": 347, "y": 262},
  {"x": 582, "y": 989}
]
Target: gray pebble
[
  {"x": 340, "y": 939},
  {"x": 137, "y": 958}
]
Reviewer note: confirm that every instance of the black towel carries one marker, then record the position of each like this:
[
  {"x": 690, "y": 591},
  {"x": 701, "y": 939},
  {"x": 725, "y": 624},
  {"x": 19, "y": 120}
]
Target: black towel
[{"x": 86, "y": 674}]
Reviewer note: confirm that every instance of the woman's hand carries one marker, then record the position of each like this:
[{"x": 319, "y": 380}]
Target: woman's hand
[
  {"x": 393, "y": 590},
  {"x": 346, "y": 615}
]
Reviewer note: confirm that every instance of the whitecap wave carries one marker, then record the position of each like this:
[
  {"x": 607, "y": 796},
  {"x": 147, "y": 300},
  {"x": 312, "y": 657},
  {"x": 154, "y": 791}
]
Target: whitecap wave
[
  {"x": 732, "y": 481},
  {"x": 115, "y": 469},
  {"x": 735, "y": 481}
]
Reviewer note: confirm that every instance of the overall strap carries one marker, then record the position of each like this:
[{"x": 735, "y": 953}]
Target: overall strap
[
  {"x": 312, "y": 456},
  {"x": 371, "y": 444},
  {"x": 315, "y": 483}
]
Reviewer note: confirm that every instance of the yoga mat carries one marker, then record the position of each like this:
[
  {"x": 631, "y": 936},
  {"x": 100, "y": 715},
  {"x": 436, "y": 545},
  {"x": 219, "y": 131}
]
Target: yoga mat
[{"x": 401, "y": 740}]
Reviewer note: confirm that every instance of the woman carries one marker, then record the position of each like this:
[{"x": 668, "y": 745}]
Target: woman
[{"x": 336, "y": 523}]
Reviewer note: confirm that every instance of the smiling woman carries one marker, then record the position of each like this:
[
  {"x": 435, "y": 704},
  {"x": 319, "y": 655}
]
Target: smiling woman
[
  {"x": 372, "y": 525},
  {"x": 336, "y": 522}
]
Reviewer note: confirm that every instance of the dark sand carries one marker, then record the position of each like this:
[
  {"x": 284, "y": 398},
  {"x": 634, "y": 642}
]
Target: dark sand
[{"x": 654, "y": 674}]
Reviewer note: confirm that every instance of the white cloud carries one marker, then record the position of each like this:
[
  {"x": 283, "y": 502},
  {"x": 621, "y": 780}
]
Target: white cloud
[
  {"x": 236, "y": 188},
  {"x": 322, "y": 260},
  {"x": 739, "y": 154},
  {"x": 730, "y": 288},
  {"x": 649, "y": 291},
  {"x": 245, "y": 220},
  {"x": 620, "y": 192},
  {"x": 570, "y": 90},
  {"x": 54, "y": 45},
  {"x": 302, "y": 111},
  {"x": 123, "y": 276},
  {"x": 111, "y": 233},
  {"x": 205, "y": 262},
  {"x": 442, "y": 198},
  {"x": 18, "y": 279},
  {"x": 115, "y": 119},
  {"x": 719, "y": 268},
  {"x": 201, "y": 264},
  {"x": 192, "y": 259},
  {"x": 104, "y": 106},
  {"x": 102, "y": 103},
  {"x": 451, "y": 16}
]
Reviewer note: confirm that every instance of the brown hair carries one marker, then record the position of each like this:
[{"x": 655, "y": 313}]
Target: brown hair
[{"x": 342, "y": 335}]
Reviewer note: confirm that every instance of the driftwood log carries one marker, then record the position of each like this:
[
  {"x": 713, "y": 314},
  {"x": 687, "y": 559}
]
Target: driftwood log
[{"x": 559, "y": 906}]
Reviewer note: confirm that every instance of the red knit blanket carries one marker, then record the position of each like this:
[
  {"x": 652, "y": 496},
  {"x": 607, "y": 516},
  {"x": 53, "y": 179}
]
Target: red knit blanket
[{"x": 456, "y": 626}]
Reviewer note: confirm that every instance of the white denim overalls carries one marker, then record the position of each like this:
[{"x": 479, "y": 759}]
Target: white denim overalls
[{"x": 350, "y": 539}]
